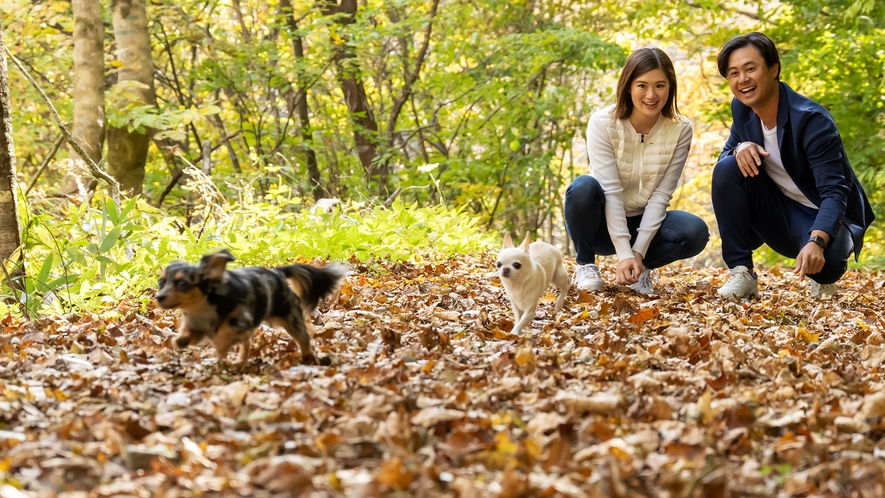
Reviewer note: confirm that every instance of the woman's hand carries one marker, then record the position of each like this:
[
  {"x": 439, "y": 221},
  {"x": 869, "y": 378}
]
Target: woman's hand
[{"x": 629, "y": 269}]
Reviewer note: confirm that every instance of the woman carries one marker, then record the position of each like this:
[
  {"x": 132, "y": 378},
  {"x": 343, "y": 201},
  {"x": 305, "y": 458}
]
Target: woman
[{"x": 637, "y": 151}]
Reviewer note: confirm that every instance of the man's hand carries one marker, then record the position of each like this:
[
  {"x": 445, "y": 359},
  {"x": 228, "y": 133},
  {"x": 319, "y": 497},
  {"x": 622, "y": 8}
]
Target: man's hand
[
  {"x": 810, "y": 260},
  {"x": 749, "y": 158},
  {"x": 629, "y": 269}
]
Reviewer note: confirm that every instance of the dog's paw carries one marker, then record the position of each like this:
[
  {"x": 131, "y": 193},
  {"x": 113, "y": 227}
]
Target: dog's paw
[
  {"x": 313, "y": 360},
  {"x": 181, "y": 341}
]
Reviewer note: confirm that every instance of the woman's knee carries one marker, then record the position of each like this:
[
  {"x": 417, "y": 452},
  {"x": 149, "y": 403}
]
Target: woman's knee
[
  {"x": 584, "y": 190},
  {"x": 698, "y": 235},
  {"x": 694, "y": 234}
]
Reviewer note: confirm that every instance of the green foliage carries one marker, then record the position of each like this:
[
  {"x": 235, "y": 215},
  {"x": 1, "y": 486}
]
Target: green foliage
[
  {"x": 826, "y": 52},
  {"x": 490, "y": 131},
  {"x": 96, "y": 257}
]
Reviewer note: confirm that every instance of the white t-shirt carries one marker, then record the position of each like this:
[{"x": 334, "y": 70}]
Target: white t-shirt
[{"x": 774, "y": 166}]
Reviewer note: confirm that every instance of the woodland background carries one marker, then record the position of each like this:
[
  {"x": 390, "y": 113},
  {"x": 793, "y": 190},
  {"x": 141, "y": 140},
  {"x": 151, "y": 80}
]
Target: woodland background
[{"x": 473, "y": 107}]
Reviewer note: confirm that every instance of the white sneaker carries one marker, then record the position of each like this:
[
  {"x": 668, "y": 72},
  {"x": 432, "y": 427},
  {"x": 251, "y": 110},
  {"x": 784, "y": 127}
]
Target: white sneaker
[
  {"x": 820, "y": 290},
  {"x": 644, "y": 285},
  {"x": 741, "y": 284},
  {"x": 587, "y": 278}
]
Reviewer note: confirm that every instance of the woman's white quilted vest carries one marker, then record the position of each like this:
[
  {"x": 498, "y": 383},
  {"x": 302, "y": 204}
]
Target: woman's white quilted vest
[{"x": 642, "y": 160}]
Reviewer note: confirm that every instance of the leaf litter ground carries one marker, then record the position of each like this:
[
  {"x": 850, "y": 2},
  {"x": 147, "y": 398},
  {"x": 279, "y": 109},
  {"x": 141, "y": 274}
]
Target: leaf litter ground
[{"x": 677, "y": 394}]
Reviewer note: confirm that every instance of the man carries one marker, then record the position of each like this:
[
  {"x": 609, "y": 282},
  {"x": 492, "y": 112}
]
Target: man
[{"x": 783, "y": 177}]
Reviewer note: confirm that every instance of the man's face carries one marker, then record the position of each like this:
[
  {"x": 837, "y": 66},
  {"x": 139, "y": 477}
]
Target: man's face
[{"x": 750, "y": 79}]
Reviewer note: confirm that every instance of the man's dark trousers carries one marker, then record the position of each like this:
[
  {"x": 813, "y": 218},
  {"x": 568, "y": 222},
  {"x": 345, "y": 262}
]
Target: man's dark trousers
[{"x": 753, "y": 210}]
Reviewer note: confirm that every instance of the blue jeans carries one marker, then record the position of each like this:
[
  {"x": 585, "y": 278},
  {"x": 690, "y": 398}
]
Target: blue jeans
[
  {"x": 753, "y": 210},
  {"x": 681, "y": 235}
]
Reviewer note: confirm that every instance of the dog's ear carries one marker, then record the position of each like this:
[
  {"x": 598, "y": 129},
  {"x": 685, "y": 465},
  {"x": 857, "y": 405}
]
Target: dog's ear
[
  {"x": 213, "y": 265},
  {"x": 526, "y": 242},
  {"x": 508, "y": 242}
]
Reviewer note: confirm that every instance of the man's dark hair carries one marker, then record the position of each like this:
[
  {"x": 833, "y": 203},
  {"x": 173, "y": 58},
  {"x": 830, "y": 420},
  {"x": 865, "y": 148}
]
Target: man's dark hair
[{"x": 762, "y": 43}]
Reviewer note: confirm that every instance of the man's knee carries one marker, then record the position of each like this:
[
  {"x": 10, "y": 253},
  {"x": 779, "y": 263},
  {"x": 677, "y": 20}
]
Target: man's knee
[
  {"x": 726, "y": 173},
  {"x": 584, "y": 190},
  {"x": 831, "y": 272}
]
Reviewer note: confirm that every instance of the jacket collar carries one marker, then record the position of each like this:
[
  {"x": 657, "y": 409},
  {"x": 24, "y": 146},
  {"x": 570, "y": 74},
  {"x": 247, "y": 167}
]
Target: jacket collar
[
  {"x": 783, "y": 113},
  {"x": 753, "y": 128}
]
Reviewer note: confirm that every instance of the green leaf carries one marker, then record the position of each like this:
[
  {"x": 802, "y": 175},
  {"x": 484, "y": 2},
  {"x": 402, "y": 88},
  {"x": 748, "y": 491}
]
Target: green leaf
[
  {"x": 109, "y": 241},
  {"x": 43, "y": 275},
  {"x": 111, "y": 209},
  {"x": 61, "y": 281}
]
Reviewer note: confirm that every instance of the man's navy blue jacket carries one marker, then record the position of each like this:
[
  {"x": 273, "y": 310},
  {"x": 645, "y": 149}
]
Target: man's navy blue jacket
[{"x": 814, "y": 157}]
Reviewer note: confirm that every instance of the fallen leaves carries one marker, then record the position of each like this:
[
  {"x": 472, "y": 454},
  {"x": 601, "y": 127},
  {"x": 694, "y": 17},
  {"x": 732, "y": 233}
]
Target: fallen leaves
[
  {"x": 643, "y": 316},
  {"x": 677, "y": 394}
]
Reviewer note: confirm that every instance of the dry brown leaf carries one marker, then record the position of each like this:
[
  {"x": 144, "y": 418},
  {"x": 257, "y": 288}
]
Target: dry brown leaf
[
  {"x": 394, "y": 474},
  {"x": 601, "y": 403},
  {"x": 873, "y": 405},
  {"x": 524, "y": 356},
  {"x": 433, "y": 415},
  {"x": 643, "y": 315},
  {"x": 709, "y": 395},
  {"x": 544, "y": 422}
]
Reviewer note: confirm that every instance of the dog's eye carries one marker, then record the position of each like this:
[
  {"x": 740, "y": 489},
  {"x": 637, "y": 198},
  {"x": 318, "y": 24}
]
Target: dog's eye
[
  {"x": 499, "y": 264},
  {"x": 517, "y": 266},
  {"x": 162, "y": 282},
  {"x": 182, "y": 285}
]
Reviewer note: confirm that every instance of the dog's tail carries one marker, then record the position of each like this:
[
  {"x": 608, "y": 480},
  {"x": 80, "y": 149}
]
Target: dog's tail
[{"x": 312, "y": 283}]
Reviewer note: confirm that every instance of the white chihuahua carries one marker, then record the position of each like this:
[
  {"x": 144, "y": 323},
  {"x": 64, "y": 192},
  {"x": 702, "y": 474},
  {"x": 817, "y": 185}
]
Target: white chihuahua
[{"x": 526, "y": 272}]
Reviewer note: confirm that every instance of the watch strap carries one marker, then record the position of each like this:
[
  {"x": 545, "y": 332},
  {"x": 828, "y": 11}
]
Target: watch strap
[{"x": 817, "y": 239}]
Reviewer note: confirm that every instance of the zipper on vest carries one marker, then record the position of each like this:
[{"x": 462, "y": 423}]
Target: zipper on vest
[{"x": 641, "y": 155}]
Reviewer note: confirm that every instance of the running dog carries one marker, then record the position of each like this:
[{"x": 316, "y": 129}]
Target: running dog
[{"x": 226, "y": 306}]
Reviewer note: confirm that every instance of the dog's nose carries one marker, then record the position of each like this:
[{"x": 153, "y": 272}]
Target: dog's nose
[
  {"x": 505, "y": 271},
  {"x": 160, "y": 297}
]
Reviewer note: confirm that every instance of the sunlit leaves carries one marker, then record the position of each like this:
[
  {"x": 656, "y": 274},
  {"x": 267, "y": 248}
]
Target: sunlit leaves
[{"x": 585, "y": 401}]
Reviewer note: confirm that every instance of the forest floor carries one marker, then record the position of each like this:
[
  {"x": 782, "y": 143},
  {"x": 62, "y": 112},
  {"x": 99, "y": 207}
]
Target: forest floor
[{"x": 674, "y": 395}]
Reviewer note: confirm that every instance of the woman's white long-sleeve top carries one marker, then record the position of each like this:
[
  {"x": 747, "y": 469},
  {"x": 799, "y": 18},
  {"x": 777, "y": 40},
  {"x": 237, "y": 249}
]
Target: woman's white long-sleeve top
[{"x": 638, "y": 173}]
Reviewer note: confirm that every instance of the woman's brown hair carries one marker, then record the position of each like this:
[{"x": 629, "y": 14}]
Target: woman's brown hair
[{"x": 640, "y": 62}]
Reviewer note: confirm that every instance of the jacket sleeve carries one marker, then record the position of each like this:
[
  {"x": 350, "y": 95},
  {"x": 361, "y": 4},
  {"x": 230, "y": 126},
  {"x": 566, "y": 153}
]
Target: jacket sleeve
[
  {"x": 656, "y": 209},
  {"x": 605, "y": 169},
  {"x": 825, "y": 155},
  {"x": 734, "y": 139}
]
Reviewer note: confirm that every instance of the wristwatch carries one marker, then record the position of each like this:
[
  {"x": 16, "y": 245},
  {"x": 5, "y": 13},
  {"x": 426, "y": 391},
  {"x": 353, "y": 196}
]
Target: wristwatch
[{"x": 817, "y": 239}]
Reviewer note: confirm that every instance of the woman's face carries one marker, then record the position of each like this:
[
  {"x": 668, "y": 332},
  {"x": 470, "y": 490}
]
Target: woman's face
[{"x": 649, "y": 93}]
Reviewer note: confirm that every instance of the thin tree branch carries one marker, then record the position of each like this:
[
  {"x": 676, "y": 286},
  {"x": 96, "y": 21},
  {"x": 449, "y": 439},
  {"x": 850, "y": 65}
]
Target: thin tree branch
[
  {"x": 178, "y": 173},
  {"x": 751, "y": 15},
  {"x": 58, "y": 143},
  {"x": 96, "y": 171},
  {"x": 412, "y": 76}
]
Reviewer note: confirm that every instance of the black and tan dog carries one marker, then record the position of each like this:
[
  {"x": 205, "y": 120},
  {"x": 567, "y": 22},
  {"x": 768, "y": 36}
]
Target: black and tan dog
[{"x": 226, "y": 306}]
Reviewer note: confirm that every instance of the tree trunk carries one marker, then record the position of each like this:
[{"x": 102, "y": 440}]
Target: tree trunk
[
  {"x": 313, "y": 171},
  {"x": 127, "y": 150},
  {"x": 88, "y": 129},
  {"x": 10, "y": 236},
  {"x": 365, "y": 128}
]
